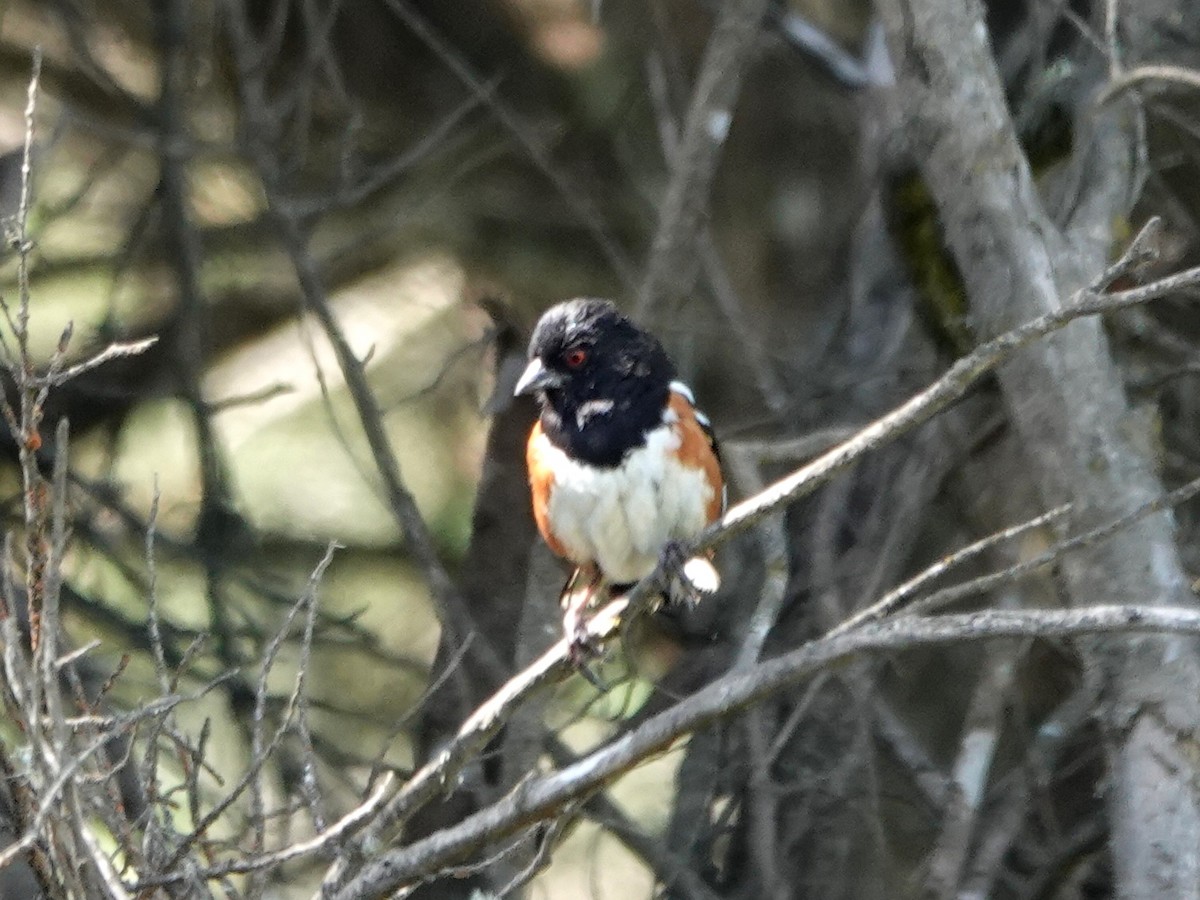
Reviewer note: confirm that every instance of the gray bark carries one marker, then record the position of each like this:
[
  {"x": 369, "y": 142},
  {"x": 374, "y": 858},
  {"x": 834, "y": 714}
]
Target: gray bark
[{"x": 1066, "y": 402}]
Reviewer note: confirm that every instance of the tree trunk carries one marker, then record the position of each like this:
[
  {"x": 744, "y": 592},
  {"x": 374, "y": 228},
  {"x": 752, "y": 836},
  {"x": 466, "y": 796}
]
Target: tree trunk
[{"x": 1066, "y": 401}]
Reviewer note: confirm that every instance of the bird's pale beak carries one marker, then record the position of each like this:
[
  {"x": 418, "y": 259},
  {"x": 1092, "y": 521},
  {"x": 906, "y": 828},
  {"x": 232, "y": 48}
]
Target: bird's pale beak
[{"x": 536, "y": 377}]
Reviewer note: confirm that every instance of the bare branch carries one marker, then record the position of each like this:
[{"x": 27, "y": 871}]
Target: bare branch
[
  {"x": 546, "y": 796},
  {"x": 955, "y": 593},
  {"x": 694, "y": 162},
  {"x": 318, "y": 843},
  {"x": 951, "y": 386},
  {"x": 113, "y": 351},
  {"x": 1133, "y": 78},
  {"x": 554, "y": 663},
  {"x": 1017, "y": 255},
  {"x": 575, "y": 200},
  {"x": 453, "y": 611},
  {"x": 903, "y": 594}
]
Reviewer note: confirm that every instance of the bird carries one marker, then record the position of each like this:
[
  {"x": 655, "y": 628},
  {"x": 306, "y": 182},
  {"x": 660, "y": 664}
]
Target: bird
[{"x": 624, "y": 469}]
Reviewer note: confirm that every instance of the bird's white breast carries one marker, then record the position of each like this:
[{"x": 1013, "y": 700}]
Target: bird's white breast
[{"x": 620, "y": 518}]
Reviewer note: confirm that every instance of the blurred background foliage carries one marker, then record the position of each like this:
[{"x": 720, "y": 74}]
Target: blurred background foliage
[
  {"x": 518, "y": 155},
  {"x": 438, "y": 154}
]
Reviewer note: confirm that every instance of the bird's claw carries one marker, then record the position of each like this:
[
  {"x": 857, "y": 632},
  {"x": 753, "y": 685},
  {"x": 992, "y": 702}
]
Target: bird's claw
[
  {"x": 581, "y": 648},
  {"x": 685, "y": 578},
  {"x": 580, "y": 645},
  {"x": 671, "y": 560},
  {"x": 578, "y": 596}
]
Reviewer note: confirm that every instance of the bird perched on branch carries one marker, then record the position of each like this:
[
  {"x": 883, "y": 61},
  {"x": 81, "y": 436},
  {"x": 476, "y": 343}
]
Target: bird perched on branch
[{"x": 623, "y": 469}]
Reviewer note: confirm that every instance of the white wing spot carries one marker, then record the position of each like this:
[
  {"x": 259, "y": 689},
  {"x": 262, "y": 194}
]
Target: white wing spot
[{"x": 684, "y": 391}]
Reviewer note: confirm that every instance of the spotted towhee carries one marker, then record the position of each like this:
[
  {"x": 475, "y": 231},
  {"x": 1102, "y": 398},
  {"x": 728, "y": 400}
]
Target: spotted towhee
[{"x": 622, "y": 466}]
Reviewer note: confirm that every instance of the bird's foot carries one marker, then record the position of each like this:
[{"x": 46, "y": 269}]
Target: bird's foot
[
  {"x": 582, "y": 649},
  {"x": 579, "y": 595},
  {"x": 579, "y": 641},
  {"x": 686, "y": 579}
]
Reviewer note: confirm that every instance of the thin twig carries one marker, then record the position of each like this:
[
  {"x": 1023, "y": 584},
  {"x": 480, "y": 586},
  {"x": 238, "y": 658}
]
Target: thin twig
[
  {"x": 1128, "y": 80},
  {"x": 770, "y": 386},
  {"x": 545, "y": 797},
  {"x": 72, "y": 763},
  {"x": 318, "y": 843},
  {"x": 579, "y": 204},
  {"x": 772, "y": 538},
  {"x": 113, "y": 351},
  {"x": 902, "y": 594},
  {"x": 971, "y": 771},
  {"x": 694, "y": 163},
  {"x": 428, "y": 781},
  {"x": 947, "y": 389},
  {"x": 805, "y": 36},
  {"x": 946, "y": 596},
  {"x": 261, "y": 752}
]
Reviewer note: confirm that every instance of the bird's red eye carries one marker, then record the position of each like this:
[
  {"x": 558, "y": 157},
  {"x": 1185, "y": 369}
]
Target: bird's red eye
[{"x": 575, "y": 358}]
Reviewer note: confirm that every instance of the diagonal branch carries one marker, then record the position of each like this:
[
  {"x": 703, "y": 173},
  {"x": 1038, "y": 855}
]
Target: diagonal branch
[
  {"x": 950, "y": 387},
  {"x": 544, "y": 797},
  {"x": 115, "y": 350},
  {"x": 429, "y": 781},
  {"x": 698, "y": 151},
  {"x": 576, "y": 200},
  {"x": 1079, "y": 435},
  {"x": 453, "y": 611}
]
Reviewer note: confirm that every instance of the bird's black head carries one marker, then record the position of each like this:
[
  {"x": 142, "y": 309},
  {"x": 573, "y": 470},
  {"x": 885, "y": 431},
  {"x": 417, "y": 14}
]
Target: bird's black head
[{"x": 603, "y": 382}]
